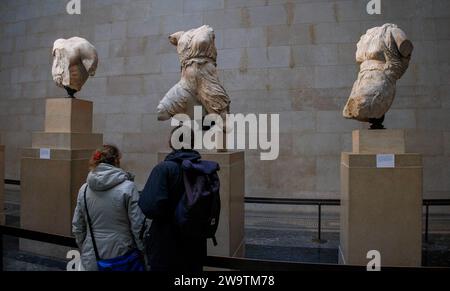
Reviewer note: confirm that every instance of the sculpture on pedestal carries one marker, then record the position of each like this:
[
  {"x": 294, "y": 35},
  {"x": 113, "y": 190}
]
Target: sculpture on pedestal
[
  {"x": 383, "y": 54},
  {"x": 199, "y": 84},
  {"x": 74, "y": 60}
]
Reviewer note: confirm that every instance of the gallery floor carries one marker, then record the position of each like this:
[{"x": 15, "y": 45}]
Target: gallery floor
[{"x": 271, "y": 236}]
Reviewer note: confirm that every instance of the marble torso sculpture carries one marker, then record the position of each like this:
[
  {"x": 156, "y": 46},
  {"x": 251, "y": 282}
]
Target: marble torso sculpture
[
  {"x": 199, "y": 84},
  {"x": 74, "y": 60},
  {"x": 383, "y": 54}
]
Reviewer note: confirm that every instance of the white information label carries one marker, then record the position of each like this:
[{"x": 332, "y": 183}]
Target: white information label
[
  {"x": 386, "y": 161},
  {"x": 44, "y": 154}
]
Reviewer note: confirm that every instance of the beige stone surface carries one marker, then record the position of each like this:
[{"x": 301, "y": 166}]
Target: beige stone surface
[
  {"x": 49, "y": 187},
  {"x": 383, "y": 141},
  {"x": 381, "y": 209},
  {"x": 48, "y": 193},
  {"x": 2, "y": 184},
  {"x": 68, "y": 116},
  {"x": 230, "y": 234},
  {"x": 383, "y": 53},
  {"x": 74, "y": 60},
  {"x": 58, "y": 154},
  {"x": 296, "y": 58},
  {"x": 74, "y": 141}
]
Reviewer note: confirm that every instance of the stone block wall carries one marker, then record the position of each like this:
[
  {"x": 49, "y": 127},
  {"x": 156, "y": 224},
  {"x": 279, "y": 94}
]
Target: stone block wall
[{"x": 295, "y": 58}]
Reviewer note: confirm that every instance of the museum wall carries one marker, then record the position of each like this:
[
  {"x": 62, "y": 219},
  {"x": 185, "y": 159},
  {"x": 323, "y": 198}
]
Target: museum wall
[{"x": 295, "y": 58}]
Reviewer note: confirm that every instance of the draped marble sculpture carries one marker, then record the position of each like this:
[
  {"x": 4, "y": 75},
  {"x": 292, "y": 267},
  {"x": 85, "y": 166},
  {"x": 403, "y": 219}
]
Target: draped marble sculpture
[
  {"x": 199, "y": 84},
  {"x": 74, "y": 60},
  {"x": 383, "y": 54}
]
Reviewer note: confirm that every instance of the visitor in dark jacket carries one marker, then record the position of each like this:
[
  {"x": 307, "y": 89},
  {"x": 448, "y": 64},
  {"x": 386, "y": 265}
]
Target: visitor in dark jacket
[{"x": 166, "y": 248}]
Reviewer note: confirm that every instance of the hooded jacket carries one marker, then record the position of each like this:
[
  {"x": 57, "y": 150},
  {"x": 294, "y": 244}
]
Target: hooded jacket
[
  {"x": 112, "y": 201},
  {"x": 166, "y": 248}
]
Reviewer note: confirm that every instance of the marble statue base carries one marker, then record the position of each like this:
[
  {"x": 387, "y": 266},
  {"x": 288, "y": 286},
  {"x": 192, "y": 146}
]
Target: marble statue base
[
  {"x": 381, "y": 208},
  {"x": 53, "y": 170}
]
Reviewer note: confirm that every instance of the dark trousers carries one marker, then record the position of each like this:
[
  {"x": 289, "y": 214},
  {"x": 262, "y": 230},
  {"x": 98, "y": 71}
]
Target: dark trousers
[{"x": 168, "y": 251}]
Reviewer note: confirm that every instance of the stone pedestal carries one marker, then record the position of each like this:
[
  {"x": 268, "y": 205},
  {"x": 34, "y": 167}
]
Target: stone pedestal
[
  {"x": 230, "y": 234},
  {"x": 56, "y": 166},
  {"x": 388, "y": 141},
  {"x": 2, "y": 184},
  {"x": 381, "y": 205}
]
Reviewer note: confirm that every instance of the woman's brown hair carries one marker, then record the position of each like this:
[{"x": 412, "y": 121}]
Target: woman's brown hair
[{"x": 107, "y": 154}]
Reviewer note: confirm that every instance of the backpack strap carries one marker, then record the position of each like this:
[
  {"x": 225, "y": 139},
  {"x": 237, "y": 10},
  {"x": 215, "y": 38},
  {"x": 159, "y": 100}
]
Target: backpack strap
[
  {"x": 143, "y": 228},
  {"x": 94, "y": 244}
]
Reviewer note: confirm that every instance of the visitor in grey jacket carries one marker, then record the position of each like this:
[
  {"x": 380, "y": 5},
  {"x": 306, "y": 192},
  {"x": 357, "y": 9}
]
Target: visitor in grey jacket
[{"x": 112, "y": 201}]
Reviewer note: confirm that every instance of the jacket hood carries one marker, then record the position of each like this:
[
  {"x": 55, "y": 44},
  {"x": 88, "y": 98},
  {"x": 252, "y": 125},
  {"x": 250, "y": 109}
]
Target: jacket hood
[
  {"x": 203, "y": 167},
  {"x": 191, "y": 161},
  {"x": 182, "y": 155},
  {"x": 105, "y": 177}
]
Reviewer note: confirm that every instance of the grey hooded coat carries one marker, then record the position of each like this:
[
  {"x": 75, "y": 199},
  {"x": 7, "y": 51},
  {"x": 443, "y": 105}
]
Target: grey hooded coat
[{"x": 112, "y": 202}]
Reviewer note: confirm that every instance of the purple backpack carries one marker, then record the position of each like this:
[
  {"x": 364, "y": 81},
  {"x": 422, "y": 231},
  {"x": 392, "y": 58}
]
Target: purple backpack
[{"x": 197, "y": 213}]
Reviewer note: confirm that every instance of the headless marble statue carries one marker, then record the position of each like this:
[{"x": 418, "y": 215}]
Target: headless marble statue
[
  {"x": 199, "y": 84},
  {"x": 74, "y": 60},
  {"x": 383, "y": 54}
]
